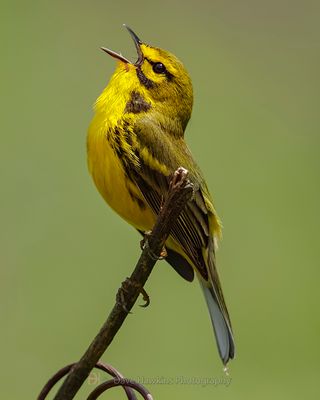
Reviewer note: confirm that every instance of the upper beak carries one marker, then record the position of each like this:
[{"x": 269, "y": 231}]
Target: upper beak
[{"x": 120, "y": 57}]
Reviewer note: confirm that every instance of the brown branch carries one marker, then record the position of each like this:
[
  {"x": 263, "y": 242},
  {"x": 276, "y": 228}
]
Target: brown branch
[{"x": 180, "y": 192}]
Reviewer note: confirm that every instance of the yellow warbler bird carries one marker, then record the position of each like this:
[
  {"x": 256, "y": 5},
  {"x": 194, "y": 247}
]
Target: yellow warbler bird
[{"x": 135, "y": 143}]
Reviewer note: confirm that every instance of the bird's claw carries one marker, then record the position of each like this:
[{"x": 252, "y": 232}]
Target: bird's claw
[
  {"x": 145, "y": 239},
  {"x": 143, "y": 242},
  {"x": 120, "y": 298},
  {"x": 163, "y": 254},
  {"x": 145, "y": 297}
]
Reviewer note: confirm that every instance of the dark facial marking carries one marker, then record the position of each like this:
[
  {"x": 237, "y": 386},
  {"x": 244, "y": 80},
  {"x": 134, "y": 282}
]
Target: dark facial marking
[
  {"x": 137, "y": 104},
  {"x": 148, "y": 83}
]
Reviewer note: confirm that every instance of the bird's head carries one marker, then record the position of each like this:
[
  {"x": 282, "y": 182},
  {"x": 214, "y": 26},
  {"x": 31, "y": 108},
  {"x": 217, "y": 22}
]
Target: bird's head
[{"x": 158, "y": 76}]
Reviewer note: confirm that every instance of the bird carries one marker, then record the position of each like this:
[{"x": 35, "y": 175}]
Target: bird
[{"x": 135, "y": 142}]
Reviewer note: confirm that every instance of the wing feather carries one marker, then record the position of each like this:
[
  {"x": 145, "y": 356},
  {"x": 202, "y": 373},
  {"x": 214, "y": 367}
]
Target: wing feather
[
  {"x": 192, "y": 230},
  {"x": 197, "y": 226}
]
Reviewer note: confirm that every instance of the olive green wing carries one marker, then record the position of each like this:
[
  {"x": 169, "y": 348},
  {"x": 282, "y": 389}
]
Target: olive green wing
[{"x": 159, "y": 155}]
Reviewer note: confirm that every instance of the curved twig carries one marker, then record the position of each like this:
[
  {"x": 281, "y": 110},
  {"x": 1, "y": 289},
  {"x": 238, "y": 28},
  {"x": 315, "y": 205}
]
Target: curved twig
[
  {"x": 100, "y": 365},
  {"x": 53, "y": 380},
  {"x": 116, "y": 382},
  {"x": 179, "y": 193}
]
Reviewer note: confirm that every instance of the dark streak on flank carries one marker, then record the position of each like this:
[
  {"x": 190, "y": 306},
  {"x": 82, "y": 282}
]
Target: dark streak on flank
[
  {"x": 115, "y": 142},
  {"x": 128, "y": 138},
  {"x": 148, "y": 83},
  {"x": 126, "y": 132},
  {"x": 142, "y": 176},
  {"x": 116, "y": 145},
  {"x": 137, "y": 104},
  {"x": 136, "y": 199},
  {"x": 188, "y": 239}
]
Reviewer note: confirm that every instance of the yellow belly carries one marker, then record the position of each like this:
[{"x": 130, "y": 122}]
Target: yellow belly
[{"x": 121, "y": 194}]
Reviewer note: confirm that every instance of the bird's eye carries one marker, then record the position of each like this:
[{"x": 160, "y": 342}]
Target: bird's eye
[{"x": 159, "y": 68}]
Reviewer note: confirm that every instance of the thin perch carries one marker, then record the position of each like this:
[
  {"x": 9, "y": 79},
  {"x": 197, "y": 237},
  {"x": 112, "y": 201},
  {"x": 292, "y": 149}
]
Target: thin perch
[{"x": 180, "y": 192}]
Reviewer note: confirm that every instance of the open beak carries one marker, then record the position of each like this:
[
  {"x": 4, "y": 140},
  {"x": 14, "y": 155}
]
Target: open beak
[{"x": 120, "y": 57}]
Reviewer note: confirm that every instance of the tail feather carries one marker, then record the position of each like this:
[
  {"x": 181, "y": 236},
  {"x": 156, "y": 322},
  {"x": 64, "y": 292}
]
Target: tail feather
[{"x": 221, "y": 325}]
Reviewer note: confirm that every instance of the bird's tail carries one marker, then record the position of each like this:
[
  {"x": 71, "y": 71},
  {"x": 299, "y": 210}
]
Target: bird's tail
[{"x": 221, "y": 323}]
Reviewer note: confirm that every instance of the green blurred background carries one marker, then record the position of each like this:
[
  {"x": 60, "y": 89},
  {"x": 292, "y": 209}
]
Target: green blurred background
[{"x": 255, "y": 133}]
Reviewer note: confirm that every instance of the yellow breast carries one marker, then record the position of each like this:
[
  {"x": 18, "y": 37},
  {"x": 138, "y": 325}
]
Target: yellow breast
[{"x": 110, "y": 179}]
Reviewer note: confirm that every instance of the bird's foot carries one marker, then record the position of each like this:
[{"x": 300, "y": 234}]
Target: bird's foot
[
  {"x": 143, "y": 243},
  {"x": 120, "y": 298}
]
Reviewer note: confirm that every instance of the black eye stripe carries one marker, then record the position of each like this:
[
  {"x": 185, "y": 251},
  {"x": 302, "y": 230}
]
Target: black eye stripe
[{"x": 148, "y": 83}]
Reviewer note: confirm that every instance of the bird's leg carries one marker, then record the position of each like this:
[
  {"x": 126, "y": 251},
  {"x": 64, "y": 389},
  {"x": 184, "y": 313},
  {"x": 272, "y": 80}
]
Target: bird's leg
[
  {"x": 143, "y": 242},
  {"x": 120, "y": 298},
  {"x": 163, "y": 255}
]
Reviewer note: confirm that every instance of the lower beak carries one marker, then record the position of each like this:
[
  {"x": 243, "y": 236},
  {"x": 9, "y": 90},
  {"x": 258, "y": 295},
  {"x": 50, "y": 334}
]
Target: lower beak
[{"x": 118, "y": 56}]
